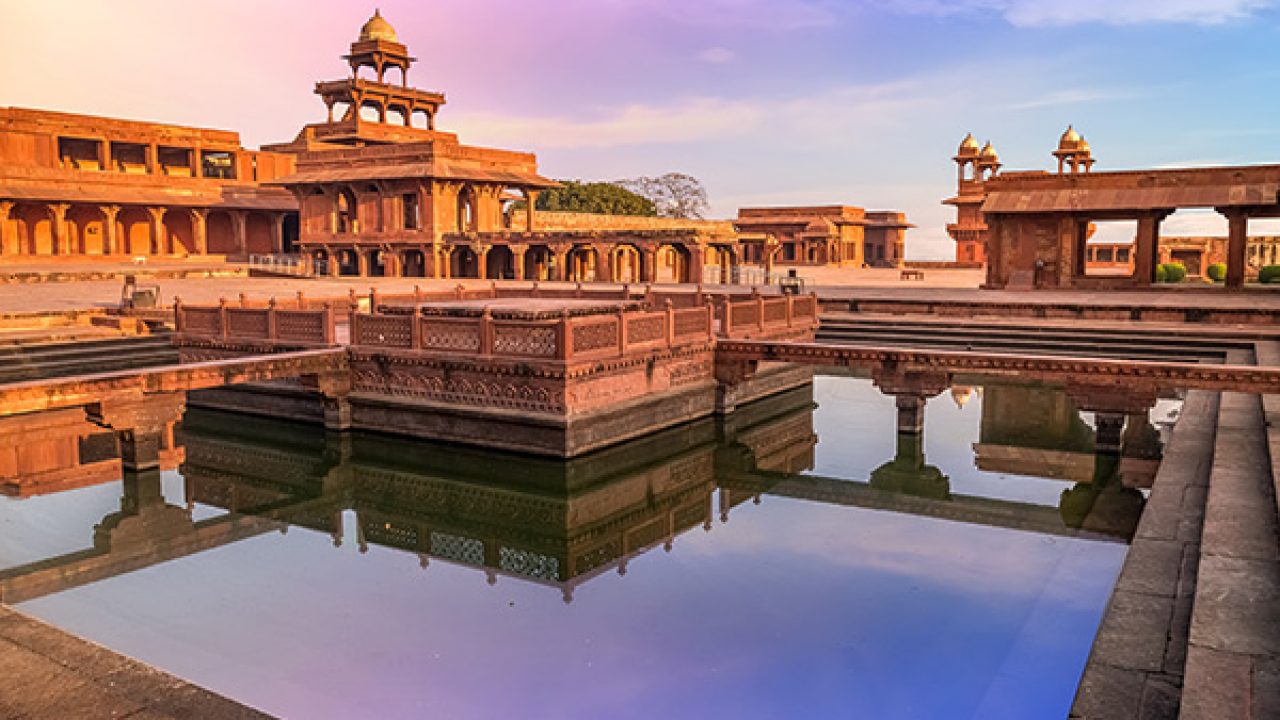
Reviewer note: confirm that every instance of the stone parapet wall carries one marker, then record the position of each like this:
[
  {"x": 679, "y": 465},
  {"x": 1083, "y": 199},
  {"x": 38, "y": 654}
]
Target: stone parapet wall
[{"x": 549, "y": 221}]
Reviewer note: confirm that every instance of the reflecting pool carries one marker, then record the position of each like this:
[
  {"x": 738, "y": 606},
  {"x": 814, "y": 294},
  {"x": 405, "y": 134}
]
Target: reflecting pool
[{"x": 799, "y": 559}]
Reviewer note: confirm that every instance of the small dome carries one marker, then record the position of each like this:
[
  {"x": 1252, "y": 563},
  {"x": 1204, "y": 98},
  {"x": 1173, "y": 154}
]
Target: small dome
[
  {"x": 968, "y": 147},
  {"x": 378, "y": 29},
  {"x": 1071, "y": 140},
  {"x": 989, "y": 152}
]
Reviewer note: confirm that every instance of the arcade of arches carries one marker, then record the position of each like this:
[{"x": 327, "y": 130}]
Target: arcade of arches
[{"x": 32, "y": 229}]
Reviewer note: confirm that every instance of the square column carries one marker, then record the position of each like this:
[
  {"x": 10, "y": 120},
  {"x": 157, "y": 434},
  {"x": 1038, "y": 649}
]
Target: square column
[
  {"x": 1146, "y": 249},
  {"x": 1237, "y": 246},
  {"x": 6, "y": 241}
]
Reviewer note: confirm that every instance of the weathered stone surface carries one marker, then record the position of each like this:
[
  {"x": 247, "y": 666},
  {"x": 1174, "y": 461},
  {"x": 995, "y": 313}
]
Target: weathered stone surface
[
  {"x": 1108, "y": 693},
  {"x": 1217, "y": 686},
  {"x": 1136, "y": 631}
]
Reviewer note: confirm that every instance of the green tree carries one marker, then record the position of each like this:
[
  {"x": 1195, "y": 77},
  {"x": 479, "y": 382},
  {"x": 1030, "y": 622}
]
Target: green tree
[{"x": 594, "y": 197}]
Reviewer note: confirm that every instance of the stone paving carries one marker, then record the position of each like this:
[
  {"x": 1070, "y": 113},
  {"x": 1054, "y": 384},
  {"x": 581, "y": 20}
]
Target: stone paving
[{"x": 46, "y": 673}]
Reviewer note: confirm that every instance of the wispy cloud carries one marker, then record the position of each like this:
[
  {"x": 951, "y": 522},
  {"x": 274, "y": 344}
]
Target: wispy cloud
[
  {"x": 717, "y": 55},
  {"x": 1039, "y": 13},
  {"x": 767, "y": 14}
]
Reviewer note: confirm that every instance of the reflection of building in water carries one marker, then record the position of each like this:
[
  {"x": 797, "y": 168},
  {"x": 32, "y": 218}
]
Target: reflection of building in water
[
  {"x": 61, "y": 450},
  {"x": 1038, "y": 430},
  {"x": 549, "y": 521}
]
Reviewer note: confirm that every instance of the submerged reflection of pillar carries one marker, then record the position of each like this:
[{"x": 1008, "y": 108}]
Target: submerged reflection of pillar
[
  {"x": 1110, "y": 428},
  {"x": 910, "y": 414},
  {"x": 908, "y": 473}
]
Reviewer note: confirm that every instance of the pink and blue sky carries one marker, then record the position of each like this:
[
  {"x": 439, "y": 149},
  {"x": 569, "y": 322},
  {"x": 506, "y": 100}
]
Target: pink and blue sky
[{"x": 767, "y": 101}]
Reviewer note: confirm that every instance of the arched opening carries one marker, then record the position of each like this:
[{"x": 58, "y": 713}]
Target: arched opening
[
  {"x": 500, "y": 263},
  {"x": 398, "y": 115},
  {"x": 583, "y": 263},
  {"x": 628, "y": 264},
  {"x": 366, "y": 72},
  {"x": 372, "y": 112},
  {"x": 257, "y": 234},
  {"x": 467, "y": 220},
  {"x": 177, "y": 225},
  {"x": 134, "y": 231},
  {"x": 348, "y": 263},
  {"x": 420, "y": 119},
  {"x": 35, "y": 229},
  {"x": 341, "y": 111},
  {"x": 537, "y": 263},
  {"x": 464, "y": 263},
  {"x": 220, "y": 234},
  {"x": 672, "y": 264},
  {"x": 377, "y": 263},
  {"x": 345, "y": 203},
  {"x": 395, "y": 74},
  {"x": 86, "y": 230},
  {"x": 413, "y": 263}
]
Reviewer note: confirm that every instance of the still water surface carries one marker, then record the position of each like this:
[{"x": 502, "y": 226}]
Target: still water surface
[{"x": 693, "y": 576}]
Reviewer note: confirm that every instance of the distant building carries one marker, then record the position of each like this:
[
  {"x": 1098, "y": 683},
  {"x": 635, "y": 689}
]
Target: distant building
[{"x": 835, "y": 235}]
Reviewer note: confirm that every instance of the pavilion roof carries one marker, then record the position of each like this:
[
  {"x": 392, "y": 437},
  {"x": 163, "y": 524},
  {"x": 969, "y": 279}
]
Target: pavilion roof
[
  {"x": 1125, "y": 199},
  {"x": 436, "y": 169}
]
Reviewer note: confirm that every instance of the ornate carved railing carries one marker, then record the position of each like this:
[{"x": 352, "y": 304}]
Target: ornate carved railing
[{"x": 270, "y": 324}]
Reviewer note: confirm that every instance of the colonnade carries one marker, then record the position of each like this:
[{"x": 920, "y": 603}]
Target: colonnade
[{"x": 80, "y": 229}]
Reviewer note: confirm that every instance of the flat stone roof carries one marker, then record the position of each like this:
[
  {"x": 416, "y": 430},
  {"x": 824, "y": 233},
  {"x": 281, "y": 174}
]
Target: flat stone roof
[{"x": 525, "y": 308}]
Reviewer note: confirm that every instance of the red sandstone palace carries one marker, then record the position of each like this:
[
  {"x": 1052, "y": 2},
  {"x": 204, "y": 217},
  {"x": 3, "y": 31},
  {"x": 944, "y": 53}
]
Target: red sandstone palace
[
  {"x": 374, "y": 189},
  {"x": 1034, "y": 229}
]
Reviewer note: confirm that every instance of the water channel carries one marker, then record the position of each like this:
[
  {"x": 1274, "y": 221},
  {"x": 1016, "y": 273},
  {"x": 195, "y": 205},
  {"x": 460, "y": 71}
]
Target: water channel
[{"x": 798, "y": 559}]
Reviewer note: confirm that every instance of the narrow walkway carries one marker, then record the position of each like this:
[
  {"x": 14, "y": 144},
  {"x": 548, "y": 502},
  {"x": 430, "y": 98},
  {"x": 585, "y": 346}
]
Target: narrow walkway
[{"x": 47, "y": 673}]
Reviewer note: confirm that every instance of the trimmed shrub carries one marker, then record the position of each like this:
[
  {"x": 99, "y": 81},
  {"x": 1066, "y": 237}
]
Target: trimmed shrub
[
  {"x": 1161, "y": 275},
  {"x": 1175, "y": 272},
  {"x": 1217, "y": 272},
  {"x": 1269, "y": 274}
]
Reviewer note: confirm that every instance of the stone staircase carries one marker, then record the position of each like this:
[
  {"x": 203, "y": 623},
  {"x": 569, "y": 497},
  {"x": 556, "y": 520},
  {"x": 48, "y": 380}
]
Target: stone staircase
[
  {"x": 1131, "y": 342},
  {"x": 40, "y": 360},
  {"x": 1192, "y": 630}
]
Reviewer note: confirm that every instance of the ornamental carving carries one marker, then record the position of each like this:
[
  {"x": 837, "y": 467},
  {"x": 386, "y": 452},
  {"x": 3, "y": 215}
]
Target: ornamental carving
[
  {"x": 595, "y": 336},
  {"x": 647, "y": 329},
  {"x": 525, "y": 341}
]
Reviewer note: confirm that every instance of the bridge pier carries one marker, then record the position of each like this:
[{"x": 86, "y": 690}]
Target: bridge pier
[
  {"x": 141, "y": 426},
  {"x": 911, "y": 390}
]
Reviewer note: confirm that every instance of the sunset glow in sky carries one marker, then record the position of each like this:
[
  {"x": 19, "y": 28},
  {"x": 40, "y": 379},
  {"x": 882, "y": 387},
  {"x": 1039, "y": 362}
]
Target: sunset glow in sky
[{"x": 767, "y": 101}]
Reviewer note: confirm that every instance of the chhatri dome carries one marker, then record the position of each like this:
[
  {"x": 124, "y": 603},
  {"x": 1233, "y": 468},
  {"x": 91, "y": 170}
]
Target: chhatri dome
[
  {"x": 989, "y": 152},
  {"x": 1071, "y": 140},
  {"x": 969, "y": 147},
  {"x": 377, "y": 28}
]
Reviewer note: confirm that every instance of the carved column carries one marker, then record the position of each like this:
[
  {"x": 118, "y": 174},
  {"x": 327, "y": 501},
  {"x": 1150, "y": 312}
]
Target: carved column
[
  {"x": 61, "y": 243},
  {"x": 911, "y": 389},
  {"x": 531, "y": 199},
  {"x": 561, "y": 269},
  {"x": 649, "y": 266},
  {"x": 239, "y": 226},
  {"x": 7, "y": 241},
  {"x": 200, "y": 230},
  {"x": 482, "y": 260},
  {"x": 277, "y": 233},
  {"x": 517, "y": 259},
  {"x": 362, "y": 263},
  {"x": 111, "y": 237},
  {"x": 159, "y": 239}
]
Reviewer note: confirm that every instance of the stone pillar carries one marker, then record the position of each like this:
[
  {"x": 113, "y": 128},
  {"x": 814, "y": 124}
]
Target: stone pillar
[
  {"x": 61, "y": 243},
  {"x": 482, "y": 261},
  {"x": 362, "y": 262},
  {"x": 517, "y": 255},
  {"x": 7, "y": 241},
  {"x": 336, "y": 389},
  {"x": 200, "y": 230},
  {"x": 239, "y": 226},
  {"x": 111, "y": 238},
  {"x": 1237, "y": 246},
  {"x": 152, "y": 158},
  {"x": 1146, "y": 249},
  {"x": 104, "y": 155},
  {"x": 141, "y": 425},
  {"x": 277, "y": 233},
  {"x": 531, "y": 199},
  {"x": 561, "y": 269},
  {"x": 197, "y": 168},
  {"x": 649, "y": 266},
  {"x": 159, "y": 239}
]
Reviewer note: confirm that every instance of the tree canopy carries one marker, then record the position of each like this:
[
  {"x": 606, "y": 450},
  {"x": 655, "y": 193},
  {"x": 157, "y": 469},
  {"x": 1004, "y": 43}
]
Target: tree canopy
[
  {"x": 595, "y": 197},
  {"x": 675, "y": 195}
]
